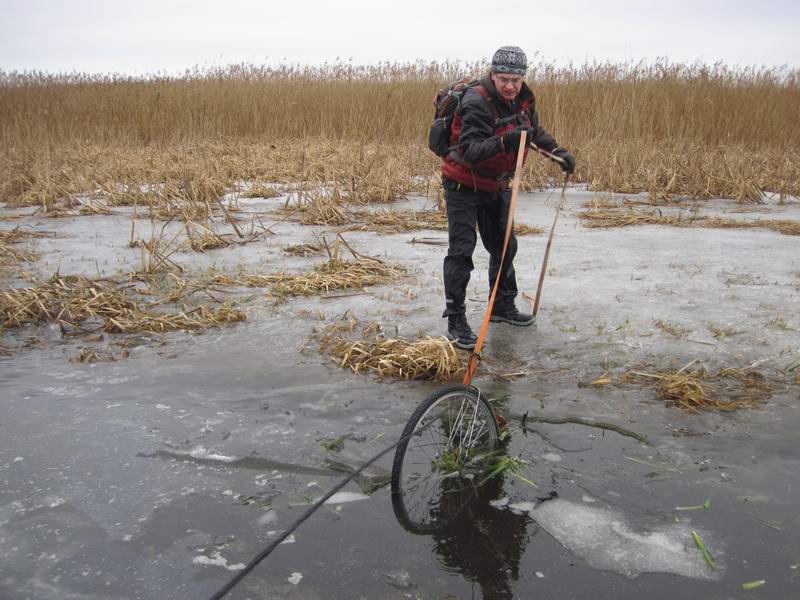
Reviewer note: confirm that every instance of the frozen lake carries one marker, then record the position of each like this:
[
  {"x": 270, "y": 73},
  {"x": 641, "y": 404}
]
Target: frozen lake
[{"x": 159, "y": 475}]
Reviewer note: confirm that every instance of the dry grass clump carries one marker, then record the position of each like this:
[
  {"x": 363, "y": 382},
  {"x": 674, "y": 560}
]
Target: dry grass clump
[
  {"x": 784, "y": 226},
  {"x": 722, "y": 332},
  {"x": 396, "y": 221},
  {"x": 427, "y": 358},
  {"x": 692, "y": 390},
  {"x": 521, "y": 229},
  {"x": 303, "y": 249},
  {"x": 70, "y": 300},
  {"x": 202, "y": 238},
  {"x": 323, "y": 209},
  {"x": 673, "y": 330},
  {"x": 10, "y": 254},
  {"x": 86, "y": 355},
  {"x": 261, "y": 190},
  {"x": 334, "y": 274},
  {"x": 623, "y": 218},
  {"x": 599, "y": 218}
]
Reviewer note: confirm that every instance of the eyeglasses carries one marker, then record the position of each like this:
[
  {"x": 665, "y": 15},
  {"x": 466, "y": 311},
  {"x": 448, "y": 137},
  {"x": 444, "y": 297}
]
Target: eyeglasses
[{"x": 506, "y": 80}]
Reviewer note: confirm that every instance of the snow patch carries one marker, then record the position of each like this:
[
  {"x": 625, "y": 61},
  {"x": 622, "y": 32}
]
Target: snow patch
[
  {"x": 343, "y": 497},
  {"x": 201, "y": 452},
  {"x": 268, "y": 517},
  {"x": 607, "y": 541},
  {"x": 217, "y": 560},
  {"x": 295, "y": 578}
]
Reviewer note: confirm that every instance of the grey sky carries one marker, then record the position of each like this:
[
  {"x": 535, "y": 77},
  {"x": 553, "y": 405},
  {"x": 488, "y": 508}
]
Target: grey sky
[{"x": 149, "y": 35}]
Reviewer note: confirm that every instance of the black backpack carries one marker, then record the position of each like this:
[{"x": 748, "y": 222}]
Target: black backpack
[{"x": 446, "y": 102}]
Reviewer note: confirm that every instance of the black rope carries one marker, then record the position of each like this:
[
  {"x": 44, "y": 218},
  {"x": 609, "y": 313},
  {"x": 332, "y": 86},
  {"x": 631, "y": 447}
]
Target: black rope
[{"x": 314, "y": 507}]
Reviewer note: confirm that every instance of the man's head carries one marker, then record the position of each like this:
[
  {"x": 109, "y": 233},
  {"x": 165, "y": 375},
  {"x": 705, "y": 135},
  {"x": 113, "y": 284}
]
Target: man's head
[{"x": 509, "y": 65}]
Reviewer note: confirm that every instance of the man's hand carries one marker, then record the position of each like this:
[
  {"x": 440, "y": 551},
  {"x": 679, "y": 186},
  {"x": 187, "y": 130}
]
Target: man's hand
[
  {"x": 510, "y": 139},
  {"x": 567, "y": 162}
]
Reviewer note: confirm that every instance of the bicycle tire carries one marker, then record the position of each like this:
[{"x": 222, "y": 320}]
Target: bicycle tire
[{"x": 456, "y": 425}]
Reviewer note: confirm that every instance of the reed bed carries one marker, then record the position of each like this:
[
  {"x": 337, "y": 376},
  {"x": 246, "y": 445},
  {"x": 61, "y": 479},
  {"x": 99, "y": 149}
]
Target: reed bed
[
  {"x": 71, "y": 300},
  {"x": 665, "y": 129},
  {"x": 428, "y": 358},
  {"x": 604, "y": 218}
]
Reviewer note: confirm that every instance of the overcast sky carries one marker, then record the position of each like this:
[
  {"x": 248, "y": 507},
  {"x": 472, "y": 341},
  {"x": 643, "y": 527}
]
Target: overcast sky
[{"x": 170, "y": 35}]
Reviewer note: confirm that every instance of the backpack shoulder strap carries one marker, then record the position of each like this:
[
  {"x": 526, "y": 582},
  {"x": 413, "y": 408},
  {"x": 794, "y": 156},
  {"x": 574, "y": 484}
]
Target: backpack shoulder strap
[{"x": 481, "y": 89}]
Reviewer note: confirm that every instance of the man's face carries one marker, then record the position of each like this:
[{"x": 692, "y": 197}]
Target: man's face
[{"x": 507, "y": 84}]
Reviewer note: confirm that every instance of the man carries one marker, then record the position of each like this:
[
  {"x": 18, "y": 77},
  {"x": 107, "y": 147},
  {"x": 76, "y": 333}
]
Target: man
[{"x": 485, "y": 137}]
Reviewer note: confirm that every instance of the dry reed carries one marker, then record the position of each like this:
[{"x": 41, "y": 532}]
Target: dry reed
[
  {"x": 427, "y": 358},
  {"x": 9, "y": 254},
  {"x": 692, "y": 390},
  {"x": 334, "y": 274},
  {"x": 666, "y": 129},
  {"x": 396, "y": 221},
  {"x": 599, "y": 218},
  {"x": 70, "y": 300},
  {"x": 303, "y": 249},
  {"x": 260, "y": 190}
]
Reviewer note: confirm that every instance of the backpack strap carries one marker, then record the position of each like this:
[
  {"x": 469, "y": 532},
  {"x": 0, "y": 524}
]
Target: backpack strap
[
  {"x": 517, "y": 116},
  {"x": 488, "y": 97}
]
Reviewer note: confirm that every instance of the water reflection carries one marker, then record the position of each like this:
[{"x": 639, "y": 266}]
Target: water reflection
[{"x": 471, "y": 537}]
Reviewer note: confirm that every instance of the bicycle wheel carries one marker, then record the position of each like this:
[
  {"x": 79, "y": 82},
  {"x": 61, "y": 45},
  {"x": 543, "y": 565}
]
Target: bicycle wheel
[{"x": 434, "y": 469}]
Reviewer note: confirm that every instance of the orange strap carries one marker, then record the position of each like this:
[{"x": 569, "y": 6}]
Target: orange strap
[{"x": 472, "y": 365}]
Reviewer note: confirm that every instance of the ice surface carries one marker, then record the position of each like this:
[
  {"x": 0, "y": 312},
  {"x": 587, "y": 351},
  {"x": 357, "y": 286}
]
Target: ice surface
[{"x": 606, "y": 540}]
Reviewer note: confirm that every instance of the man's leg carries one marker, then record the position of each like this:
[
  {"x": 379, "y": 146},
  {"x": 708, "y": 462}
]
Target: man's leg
[
  {"x": 458, "y": 265},
  {"x": 492, "y": 220}
]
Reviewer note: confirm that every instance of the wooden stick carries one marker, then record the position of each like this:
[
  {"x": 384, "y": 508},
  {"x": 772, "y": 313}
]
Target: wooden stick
[{"x": 535, "y": 304}]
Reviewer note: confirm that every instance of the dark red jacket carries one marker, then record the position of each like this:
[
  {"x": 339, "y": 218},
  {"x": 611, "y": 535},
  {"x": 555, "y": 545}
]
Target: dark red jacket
[{"x": 479, "y": 160}]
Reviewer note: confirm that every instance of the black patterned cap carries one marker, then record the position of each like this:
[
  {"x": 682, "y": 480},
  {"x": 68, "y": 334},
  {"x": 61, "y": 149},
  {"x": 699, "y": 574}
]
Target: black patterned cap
[{"x": 510, "y": 59}]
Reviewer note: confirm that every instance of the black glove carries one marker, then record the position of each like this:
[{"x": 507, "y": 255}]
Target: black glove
[
  {"x": 511, "y": 139},
  {"x": 568, "y": 164}
]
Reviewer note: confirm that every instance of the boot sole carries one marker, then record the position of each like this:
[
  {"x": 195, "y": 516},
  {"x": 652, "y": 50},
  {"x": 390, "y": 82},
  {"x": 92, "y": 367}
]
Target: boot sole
[
  {"x": 463, "y": 345},
  {"x": 498, "y": 319}
]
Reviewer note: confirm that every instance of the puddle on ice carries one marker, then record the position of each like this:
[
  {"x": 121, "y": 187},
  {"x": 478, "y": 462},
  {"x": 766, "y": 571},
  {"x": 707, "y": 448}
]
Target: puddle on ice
[{"x": 607, "y": 541}]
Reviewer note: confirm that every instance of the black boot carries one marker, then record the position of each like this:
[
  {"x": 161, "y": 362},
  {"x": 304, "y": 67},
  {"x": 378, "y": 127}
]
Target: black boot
[
  {"x": 459, "y": 330},
  {"x": 511, "y": 316}
]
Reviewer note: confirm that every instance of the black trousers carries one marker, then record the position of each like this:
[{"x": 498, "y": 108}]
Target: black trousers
[{"x": 489, "y": 211}]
